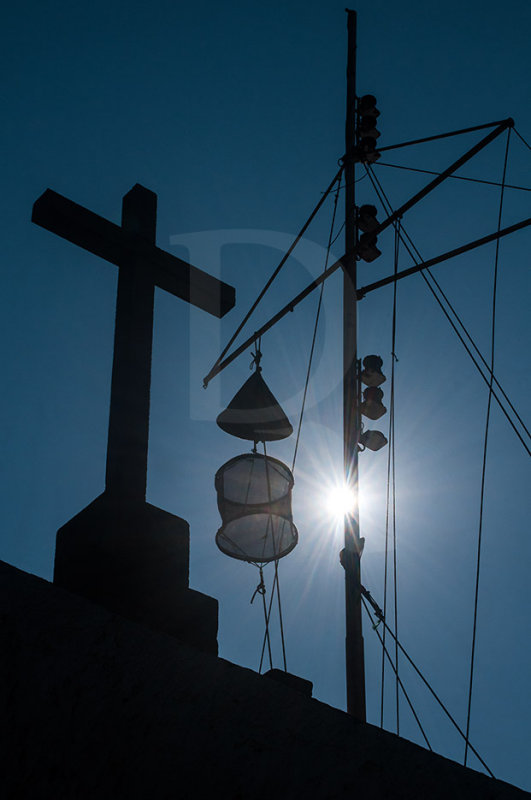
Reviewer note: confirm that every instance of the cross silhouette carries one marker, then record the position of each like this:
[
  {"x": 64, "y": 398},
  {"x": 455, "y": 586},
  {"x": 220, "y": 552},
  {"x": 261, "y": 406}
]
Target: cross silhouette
[{"x": 142, "y": 266}]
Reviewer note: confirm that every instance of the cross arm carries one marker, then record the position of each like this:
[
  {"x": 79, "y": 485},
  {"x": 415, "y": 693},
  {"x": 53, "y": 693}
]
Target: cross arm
[
  {"x": 192, "y": 284},
  {"x": 82, "y": 227}
]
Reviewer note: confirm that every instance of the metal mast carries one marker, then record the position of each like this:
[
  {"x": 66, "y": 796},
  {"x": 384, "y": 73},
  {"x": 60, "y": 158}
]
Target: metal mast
[{"x": 350, "y": 556}]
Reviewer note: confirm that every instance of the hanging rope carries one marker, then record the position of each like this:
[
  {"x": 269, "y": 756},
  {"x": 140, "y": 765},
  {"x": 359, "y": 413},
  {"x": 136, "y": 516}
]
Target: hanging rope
[
  {"x": 386, "y": 557},
  {"x": 256, "y": 356},
  {"x": 485, "y": 447},
  {"x": 409, "y": 245},
  {"x": 523, "y": 140},
  {"x": 380, "y": 616},
  {"x": 316, "y": 324},
  {"x": 490, "y": 381},
  {"x": 454, "y": 177},
  {"x": 399, "y": 682},
  {"x": 417, "y": 258},
  {"x": 261, "y": 590},
  {"x": 392, "y": 449},
  {"x": 391, "y": 493},
  {"x": 336, "y": 178},
  {"x": 276, "y": 582},
  {"x": 275, "y": 588}
]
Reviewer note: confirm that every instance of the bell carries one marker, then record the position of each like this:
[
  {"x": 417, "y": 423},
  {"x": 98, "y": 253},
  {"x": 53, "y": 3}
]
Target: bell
[
  {"x": 372, "y": 406},
  {"x": 372, "y": 374},
  {"x": 254, "y": 500},
  {"x": 255, "y": 414}
]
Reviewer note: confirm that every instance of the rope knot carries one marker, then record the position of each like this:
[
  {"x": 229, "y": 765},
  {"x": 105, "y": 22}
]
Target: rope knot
[
  {"x": 256, "y": 356},
  {"x": 260, "y": 589}
]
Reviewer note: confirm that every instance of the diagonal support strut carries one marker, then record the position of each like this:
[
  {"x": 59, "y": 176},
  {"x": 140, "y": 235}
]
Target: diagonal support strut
[{"x": 220, "y": 366}]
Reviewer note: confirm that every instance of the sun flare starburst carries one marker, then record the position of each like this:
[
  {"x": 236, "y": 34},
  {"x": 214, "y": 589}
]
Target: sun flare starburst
[{"x": 340, "y": 501}]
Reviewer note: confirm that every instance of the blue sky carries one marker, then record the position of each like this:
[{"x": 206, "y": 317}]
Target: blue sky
[{"x": 234, "y": 115}]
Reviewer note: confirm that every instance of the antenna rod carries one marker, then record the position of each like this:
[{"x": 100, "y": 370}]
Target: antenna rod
[{"x": 350, "y": 556}]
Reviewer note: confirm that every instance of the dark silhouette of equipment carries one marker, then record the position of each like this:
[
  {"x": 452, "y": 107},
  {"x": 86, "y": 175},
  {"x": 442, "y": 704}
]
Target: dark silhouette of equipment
[
  {"x": 254, "y": 490},
  {"x": 366, "y": 130},
  {"x": 255, "y": 414},
  {"x": 254, "y": 500},
  {"x": 367, "y": 222}
]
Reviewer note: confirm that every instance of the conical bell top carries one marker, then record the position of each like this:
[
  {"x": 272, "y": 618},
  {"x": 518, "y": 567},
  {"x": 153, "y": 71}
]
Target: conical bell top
[{"x": 255, "y": 414}]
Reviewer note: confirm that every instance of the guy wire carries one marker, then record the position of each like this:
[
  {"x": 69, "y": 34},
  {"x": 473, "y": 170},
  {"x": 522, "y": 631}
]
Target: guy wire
[{"x": 485, "y": 445}]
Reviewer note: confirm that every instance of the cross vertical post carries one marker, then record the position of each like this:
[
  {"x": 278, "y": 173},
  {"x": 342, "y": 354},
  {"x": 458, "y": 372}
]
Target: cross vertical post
[
  {"x": 350, "y": 556},
  {"x": 127, "y": 444},
  {"x": 120, "y": 551}
]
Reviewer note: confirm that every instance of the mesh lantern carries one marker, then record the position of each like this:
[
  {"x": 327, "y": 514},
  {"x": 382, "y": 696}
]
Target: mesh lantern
[{"x": 254, "y": 500}]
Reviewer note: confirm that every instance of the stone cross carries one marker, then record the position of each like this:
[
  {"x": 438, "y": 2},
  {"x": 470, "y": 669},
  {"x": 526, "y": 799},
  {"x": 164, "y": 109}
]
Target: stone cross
[{"x": 142, "y": 266}]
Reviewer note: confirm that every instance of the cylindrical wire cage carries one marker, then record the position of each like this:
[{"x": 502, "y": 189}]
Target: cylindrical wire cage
[{"x": 254, "y": 500}]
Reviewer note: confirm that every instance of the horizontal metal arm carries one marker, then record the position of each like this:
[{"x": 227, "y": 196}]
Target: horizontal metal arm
[
  {"x": 220, "y": 365},
  {"x": 443, "y": 135},
  {"x": 444, "y": 257}
]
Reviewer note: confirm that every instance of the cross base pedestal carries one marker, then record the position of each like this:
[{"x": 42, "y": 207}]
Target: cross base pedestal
[{"x": 133, "y": 560}]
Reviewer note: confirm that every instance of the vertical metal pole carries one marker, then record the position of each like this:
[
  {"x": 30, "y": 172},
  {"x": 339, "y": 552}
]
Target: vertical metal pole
[{"x": 350, "y": 556}]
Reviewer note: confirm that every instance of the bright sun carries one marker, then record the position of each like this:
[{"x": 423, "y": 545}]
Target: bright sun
[{"x": 340, "y": 501}]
